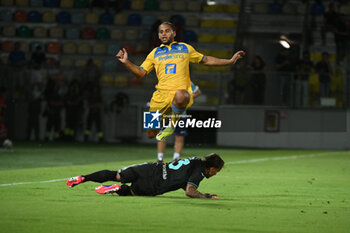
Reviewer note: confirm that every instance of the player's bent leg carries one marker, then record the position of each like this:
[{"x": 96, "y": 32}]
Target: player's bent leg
[
  {"x": 123, "y": 190},
  {"x": 99, "y": 176},
  {"x": 179, "y": 103},
  {"x": 181, "y": 99}
]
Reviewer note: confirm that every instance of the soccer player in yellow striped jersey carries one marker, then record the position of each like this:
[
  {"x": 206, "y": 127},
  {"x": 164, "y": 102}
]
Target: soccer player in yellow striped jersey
[{"x": 171, "y": 63}]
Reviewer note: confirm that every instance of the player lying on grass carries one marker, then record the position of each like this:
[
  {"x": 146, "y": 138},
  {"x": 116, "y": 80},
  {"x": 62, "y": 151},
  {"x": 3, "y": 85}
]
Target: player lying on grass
[{"x": 150, "y": 179}]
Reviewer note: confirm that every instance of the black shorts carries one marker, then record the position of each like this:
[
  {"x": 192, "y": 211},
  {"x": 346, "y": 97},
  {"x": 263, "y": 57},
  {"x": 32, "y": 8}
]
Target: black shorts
[{"x": 144, "y": 178}]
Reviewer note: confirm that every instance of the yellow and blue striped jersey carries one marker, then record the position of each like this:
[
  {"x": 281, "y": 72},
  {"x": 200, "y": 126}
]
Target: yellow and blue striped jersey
[{"x": 171, "y": 63}]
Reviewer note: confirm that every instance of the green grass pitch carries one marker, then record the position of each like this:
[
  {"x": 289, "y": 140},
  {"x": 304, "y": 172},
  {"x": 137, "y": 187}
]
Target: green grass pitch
[{"x": 274, "y": 191}]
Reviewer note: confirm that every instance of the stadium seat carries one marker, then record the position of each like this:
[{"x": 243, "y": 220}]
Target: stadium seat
[
  {"x": 35, "y": 44},
  {"x": 345, "y": 9},
  {"x": 20, "y": 16},
  {"x": 69, "y": 48},
  {"x": 52, "y": 3},
  {"x": 194, "y": 6},
  {"x": 135, "y": 82},
  {"x": 34, "y": 17},
  {"x": 81, "y": 4},
  {"x": 91, "y": 18},
  {"x": 99, "y": 49},
  {"x": 98, "y": 62},
  {"x": 49, "y": 17},
  {"x": 66, "y": 62},
  {"x": 106, "y": 79},
  {"x": 206, "y": 38},
  {"x": 22, "y": 3},
  {"x": 88, "y": 33},
  {"x": 7, "y": 46},
  {"x": 56, "y": 32},
  {"x": 113, "y": 49},
  {"x": 7, "y": 2},
  {"x": 151, "y": 5},
  {"x": 148, "y": 19},
  {"x": 137, "y": 5},
  {"x": 120, "y": 19},
  {"x": 78, "y": 18},
  {"x": 192, "y": 21},
  {"x": 80, "y": 63},
  {"x": 9, "y": 31},
  {"x": 317, "y": 8},
  {"x": 130, "y": 48},
  {"x": 121, "y": 81},
  {"x": 218, "y": 23},
  {"x": 179, "y": 19},
  {"x": 51, "y": 61},
  {"x": 24, "y": 31},
  {"x": 67, "y": 3},
  {"x": 221, "y": 53},
  {"x": 131, "y": 34},
  {"x": 110, "y": 64},
  {"x": 165, "y": 5},
  {"x": 53, "y": 47},
  {"x": 275, "y": 8},
  {"x": 260, "y": 8},
  {"x": 24, "y": 46},
  {"x": 40, "y": 32},
  {"x": 214, "y": 8},
  {"x": 36, "y": 3},
  {"x": 117, "y": 34},
  {"x": 190, "y": 36},
  {"x": 72, "y": 33},
  {"x": 180, "y": 5},
  {"x": 6, "y": 16},
  {"x": 226, "y": 38},
  {"x": 301, "y": 9},
  {"x": 102, "y": 34},
  {"x": 232, "y": 8},
  {"x": 289, "y": 8},
  {"x": 163, "y": 18},
  {"x": 106, "y": 18},
  {"x": 63, "y": 17},
  {"x": 84, "y": 49},
  {"x": 134, "y": 20}
]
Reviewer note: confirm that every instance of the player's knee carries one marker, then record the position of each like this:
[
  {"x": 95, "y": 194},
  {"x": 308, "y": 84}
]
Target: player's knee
[
  {"x": 181, "y": 98},
  {"x": 151, "y": 133}
]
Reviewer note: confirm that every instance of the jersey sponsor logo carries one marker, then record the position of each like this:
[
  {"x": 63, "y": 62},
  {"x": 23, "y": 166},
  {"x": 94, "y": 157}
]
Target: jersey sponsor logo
[
  {"x": 151, "y": 120},
  {"x": 165, "y": 174},
  {"x": 170, "y": 68}
]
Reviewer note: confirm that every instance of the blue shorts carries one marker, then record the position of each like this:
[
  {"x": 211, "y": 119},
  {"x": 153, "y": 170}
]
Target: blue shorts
[{"x": 181, "y": 131}]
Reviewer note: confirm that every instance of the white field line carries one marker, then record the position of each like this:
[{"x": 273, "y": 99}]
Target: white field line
[
  {"x": 281, "y": 158},
  {"x": 228, "y": 163}
]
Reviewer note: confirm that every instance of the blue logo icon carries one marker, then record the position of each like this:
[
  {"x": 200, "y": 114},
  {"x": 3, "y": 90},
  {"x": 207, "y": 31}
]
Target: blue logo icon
[
  {"x": 151, "y": 120},
  {"x": 170, "y": 69}
]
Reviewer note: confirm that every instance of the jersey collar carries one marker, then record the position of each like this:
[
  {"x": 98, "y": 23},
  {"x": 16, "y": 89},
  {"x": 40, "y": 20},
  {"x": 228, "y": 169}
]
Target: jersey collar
[{"x": 163, "y": 45}]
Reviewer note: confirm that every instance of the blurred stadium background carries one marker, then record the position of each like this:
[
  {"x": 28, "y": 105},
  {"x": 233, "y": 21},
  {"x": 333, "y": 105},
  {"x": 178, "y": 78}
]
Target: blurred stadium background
[{"x": 58, "y": 70}]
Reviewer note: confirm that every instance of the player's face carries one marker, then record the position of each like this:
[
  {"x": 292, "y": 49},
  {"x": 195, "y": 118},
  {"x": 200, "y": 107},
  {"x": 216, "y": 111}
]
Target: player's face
[
  {"x": 166, "y": 34},
  {"x": 212, "y": 172}
]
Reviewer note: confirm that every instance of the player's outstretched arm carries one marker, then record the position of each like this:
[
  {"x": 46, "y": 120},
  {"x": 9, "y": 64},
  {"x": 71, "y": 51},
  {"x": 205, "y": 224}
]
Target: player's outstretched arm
[
  {"x": 213, "y": 61},
  {"x": 191, "y": 191},
  {"x": 122, "y": 56}
]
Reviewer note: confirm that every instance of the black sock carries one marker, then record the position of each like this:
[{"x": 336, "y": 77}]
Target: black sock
[
  {"x": 102, "y": 176},
  {"x": 124, "y": 191}
]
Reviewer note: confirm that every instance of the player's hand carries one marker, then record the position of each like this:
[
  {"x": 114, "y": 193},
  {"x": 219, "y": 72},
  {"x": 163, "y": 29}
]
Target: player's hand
[
  {"x": 238, "y": 55},
  {"x": 211, "y": 196},
  {"x": 122, "y": 55}
]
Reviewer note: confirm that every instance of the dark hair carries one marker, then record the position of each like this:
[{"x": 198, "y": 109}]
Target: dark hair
[
  {"x": 168, "y": 23},
  {"x": 213, "y": 160}
]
